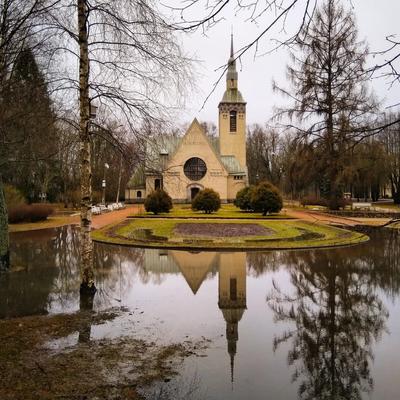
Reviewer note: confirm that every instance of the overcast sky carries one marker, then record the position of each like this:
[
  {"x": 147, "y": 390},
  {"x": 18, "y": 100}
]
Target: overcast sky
[{"x": 375, "y": 19}]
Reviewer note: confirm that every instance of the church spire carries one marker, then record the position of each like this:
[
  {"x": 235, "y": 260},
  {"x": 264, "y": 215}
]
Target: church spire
[
  {"x": 232, "y": 74},
  {"x": 232, "y": 44}
]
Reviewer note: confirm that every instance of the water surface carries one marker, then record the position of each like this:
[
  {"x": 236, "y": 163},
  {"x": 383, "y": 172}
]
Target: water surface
[{"x": 320, "y": 324}]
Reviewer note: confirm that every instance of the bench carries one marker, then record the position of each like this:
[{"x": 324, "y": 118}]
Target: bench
[{"x": 361, "y": 206}]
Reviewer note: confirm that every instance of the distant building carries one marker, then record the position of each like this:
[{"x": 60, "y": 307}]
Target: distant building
[{"x": 184, "y": 165}]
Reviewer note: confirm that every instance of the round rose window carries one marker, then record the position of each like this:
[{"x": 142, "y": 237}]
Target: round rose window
[{"x": 195, "y": 168}]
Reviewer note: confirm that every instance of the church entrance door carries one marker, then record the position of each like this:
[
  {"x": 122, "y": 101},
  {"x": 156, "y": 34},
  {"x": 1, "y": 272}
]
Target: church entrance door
[{"x": 193, "y": 192}]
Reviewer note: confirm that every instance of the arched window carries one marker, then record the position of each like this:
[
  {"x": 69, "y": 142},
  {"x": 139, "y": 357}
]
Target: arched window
[
  {"x": 232, "y": 121},
  {"x": 157, "y": 184},
  {"x": 139, "y": 194},
  {"x": 195, "y": 168}
]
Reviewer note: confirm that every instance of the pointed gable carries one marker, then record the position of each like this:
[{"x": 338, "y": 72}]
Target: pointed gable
[
  {"x": 194, "y": 268},
  {"x": 195, "y": 143}
]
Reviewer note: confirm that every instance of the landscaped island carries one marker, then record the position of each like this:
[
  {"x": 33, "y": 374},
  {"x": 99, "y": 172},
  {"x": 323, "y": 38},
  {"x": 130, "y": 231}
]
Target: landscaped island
[{"x": 229, "y": 228}]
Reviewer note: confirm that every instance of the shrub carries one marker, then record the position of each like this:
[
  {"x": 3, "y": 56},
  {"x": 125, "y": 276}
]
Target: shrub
[
  {"x": 265, "y": 198},
  {"x": 13, "y": 196},
  {"x": 336, "y": 203},
  {"x": 158, "y": 201},
  {"x": 396, "y": 197},
  {"x": 206, "y": 200},
  {"x": 313, "y": 201},
  {"x": 29, "y": 213},
  {"x": 243, "y": 198}
]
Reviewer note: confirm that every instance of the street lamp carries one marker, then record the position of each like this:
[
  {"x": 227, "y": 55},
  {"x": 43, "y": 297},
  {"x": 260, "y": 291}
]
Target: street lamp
[{"x": 103, "y": 183}]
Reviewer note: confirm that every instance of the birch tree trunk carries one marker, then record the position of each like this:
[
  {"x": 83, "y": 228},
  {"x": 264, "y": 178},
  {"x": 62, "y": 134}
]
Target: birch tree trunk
[
  {"x": 4, "y": 243},
  {"x": 86, "y": 245}
]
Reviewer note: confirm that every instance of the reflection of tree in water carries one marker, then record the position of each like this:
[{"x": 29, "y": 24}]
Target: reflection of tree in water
[
  {"x": 116, "y": 269},
  {"x": 25, "y": 288},
  {"x": 259, "y": 263},
  {"x": 384, "y": 258},
  {"x": 337, "y": 316}
]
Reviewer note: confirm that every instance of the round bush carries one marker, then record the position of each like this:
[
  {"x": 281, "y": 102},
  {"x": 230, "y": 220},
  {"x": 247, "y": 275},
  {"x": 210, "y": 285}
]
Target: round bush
[
  {"x": 29, "y": 213},
  {"x": 13, "y": 196},
  {"x": 243, "y": 198},
  {"x": 265, "y": 198},
  {"x": 158, "y": 201},
  {"x": 206, "y": 200}
]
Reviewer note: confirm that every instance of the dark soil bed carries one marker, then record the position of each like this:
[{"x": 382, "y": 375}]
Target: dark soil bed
[{"x": 222, "y": 230}]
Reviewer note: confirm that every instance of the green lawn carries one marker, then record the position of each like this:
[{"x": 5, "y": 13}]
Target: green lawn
[
  {"x": 226, "y": 211},
  {"x": 389, "y": 206},
  {"x": 160, "y": 232}
]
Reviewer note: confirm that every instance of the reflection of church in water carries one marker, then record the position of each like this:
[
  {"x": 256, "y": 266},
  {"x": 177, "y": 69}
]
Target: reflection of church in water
[{"x": 231, "y": 269}]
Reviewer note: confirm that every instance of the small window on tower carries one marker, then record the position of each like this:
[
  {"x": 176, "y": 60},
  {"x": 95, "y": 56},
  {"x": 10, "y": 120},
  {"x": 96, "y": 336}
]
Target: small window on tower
[{"x": 232, "y": 121}]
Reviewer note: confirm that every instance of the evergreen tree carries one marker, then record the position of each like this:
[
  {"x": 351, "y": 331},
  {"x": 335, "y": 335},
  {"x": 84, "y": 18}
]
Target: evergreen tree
[
  {"x": 30, "y": 129},
  {"x": 329, "y": 90}
]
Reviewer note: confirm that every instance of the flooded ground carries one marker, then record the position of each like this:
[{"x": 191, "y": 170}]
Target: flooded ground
[{"x": 320, "y": 324}]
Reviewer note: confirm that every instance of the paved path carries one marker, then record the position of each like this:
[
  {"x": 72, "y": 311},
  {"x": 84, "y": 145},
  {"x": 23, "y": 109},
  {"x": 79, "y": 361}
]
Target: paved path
[
  {"x": 115, "y": 216},
  {"x": 314, "y": 216}
]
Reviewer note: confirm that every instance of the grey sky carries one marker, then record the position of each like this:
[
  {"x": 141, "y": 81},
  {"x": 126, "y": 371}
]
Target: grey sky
[{"x": 376, "y": 19}]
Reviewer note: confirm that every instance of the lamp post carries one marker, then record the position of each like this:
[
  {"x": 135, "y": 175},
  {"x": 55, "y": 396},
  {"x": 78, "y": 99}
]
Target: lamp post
[{"x": 103, "y": 183}]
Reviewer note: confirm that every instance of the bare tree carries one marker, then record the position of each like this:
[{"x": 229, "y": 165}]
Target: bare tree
[
  {"x": 390, "y": 137},
  {"x": 129, "y": 64},
  {"x": 18, "y": 19},
  {"x": 331, "y": 103}
]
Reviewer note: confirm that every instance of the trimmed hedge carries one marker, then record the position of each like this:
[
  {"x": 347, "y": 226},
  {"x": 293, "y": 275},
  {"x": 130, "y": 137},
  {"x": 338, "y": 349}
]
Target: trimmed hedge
[
  {"x": 158, "y": 201},
  {"x": 243, "y": 198},
  {"x": 29, "y": 213},
  {"x": 206, "y": 200},
  {"x": 265, "y": 198}
]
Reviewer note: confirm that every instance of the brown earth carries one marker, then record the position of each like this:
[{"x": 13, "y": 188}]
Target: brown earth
[
  {"x": 221, "y": 230},
  {"x": 32, "y": 368}
]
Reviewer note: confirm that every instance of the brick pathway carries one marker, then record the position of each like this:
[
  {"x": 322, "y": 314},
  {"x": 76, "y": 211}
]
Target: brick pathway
[{"x": 115, "y": 216}]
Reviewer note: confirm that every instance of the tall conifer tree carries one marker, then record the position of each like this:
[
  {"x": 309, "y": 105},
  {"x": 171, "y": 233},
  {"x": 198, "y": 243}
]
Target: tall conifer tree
[{"x": 331, "y": 99}]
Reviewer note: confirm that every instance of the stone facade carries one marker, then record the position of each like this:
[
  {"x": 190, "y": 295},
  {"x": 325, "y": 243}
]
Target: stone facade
[{"x": 183, "y": 166}]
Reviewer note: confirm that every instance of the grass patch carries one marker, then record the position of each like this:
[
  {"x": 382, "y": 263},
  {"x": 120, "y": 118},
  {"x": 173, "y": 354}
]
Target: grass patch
[
  {"x": 388, "y": 206},
  {"x": 226, "y": 211},
  {"x": 52, "y": 222},
  {"x": 160, "y": 232}
]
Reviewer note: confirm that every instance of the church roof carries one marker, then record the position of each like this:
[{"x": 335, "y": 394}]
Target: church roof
[
  {"x": 168, "y": 145},
  {"x": 232, "y": 96},
  {"x": 232, "y": 165},
  {"x": 162, "y": 146},
  {"x": 233, "y": 315},
  {"x": 138, "y": 179}
]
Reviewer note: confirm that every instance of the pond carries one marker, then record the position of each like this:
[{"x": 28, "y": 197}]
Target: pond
[{"x": 321, "y": 324}]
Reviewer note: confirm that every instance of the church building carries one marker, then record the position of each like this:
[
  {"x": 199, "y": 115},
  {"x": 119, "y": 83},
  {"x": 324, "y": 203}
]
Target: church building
[{"x": 184, "y": 165}]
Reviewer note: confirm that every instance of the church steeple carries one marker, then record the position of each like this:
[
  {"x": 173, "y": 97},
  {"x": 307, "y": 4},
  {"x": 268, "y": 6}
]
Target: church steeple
[
  {"x": 232, "y": 115},
  {"x": 232, "y": 75},
  {"x": 232, "y": 298}
]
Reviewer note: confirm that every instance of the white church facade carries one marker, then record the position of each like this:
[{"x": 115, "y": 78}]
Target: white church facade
[{"x": 183, "y": 166}]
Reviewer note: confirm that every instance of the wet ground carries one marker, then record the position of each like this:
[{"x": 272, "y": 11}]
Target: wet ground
[{"x": 320, "y": 324}]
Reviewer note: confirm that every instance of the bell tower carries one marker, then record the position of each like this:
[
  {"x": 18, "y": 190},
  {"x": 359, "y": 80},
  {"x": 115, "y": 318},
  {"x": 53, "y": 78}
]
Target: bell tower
[{"x": 232, "y": 116}]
